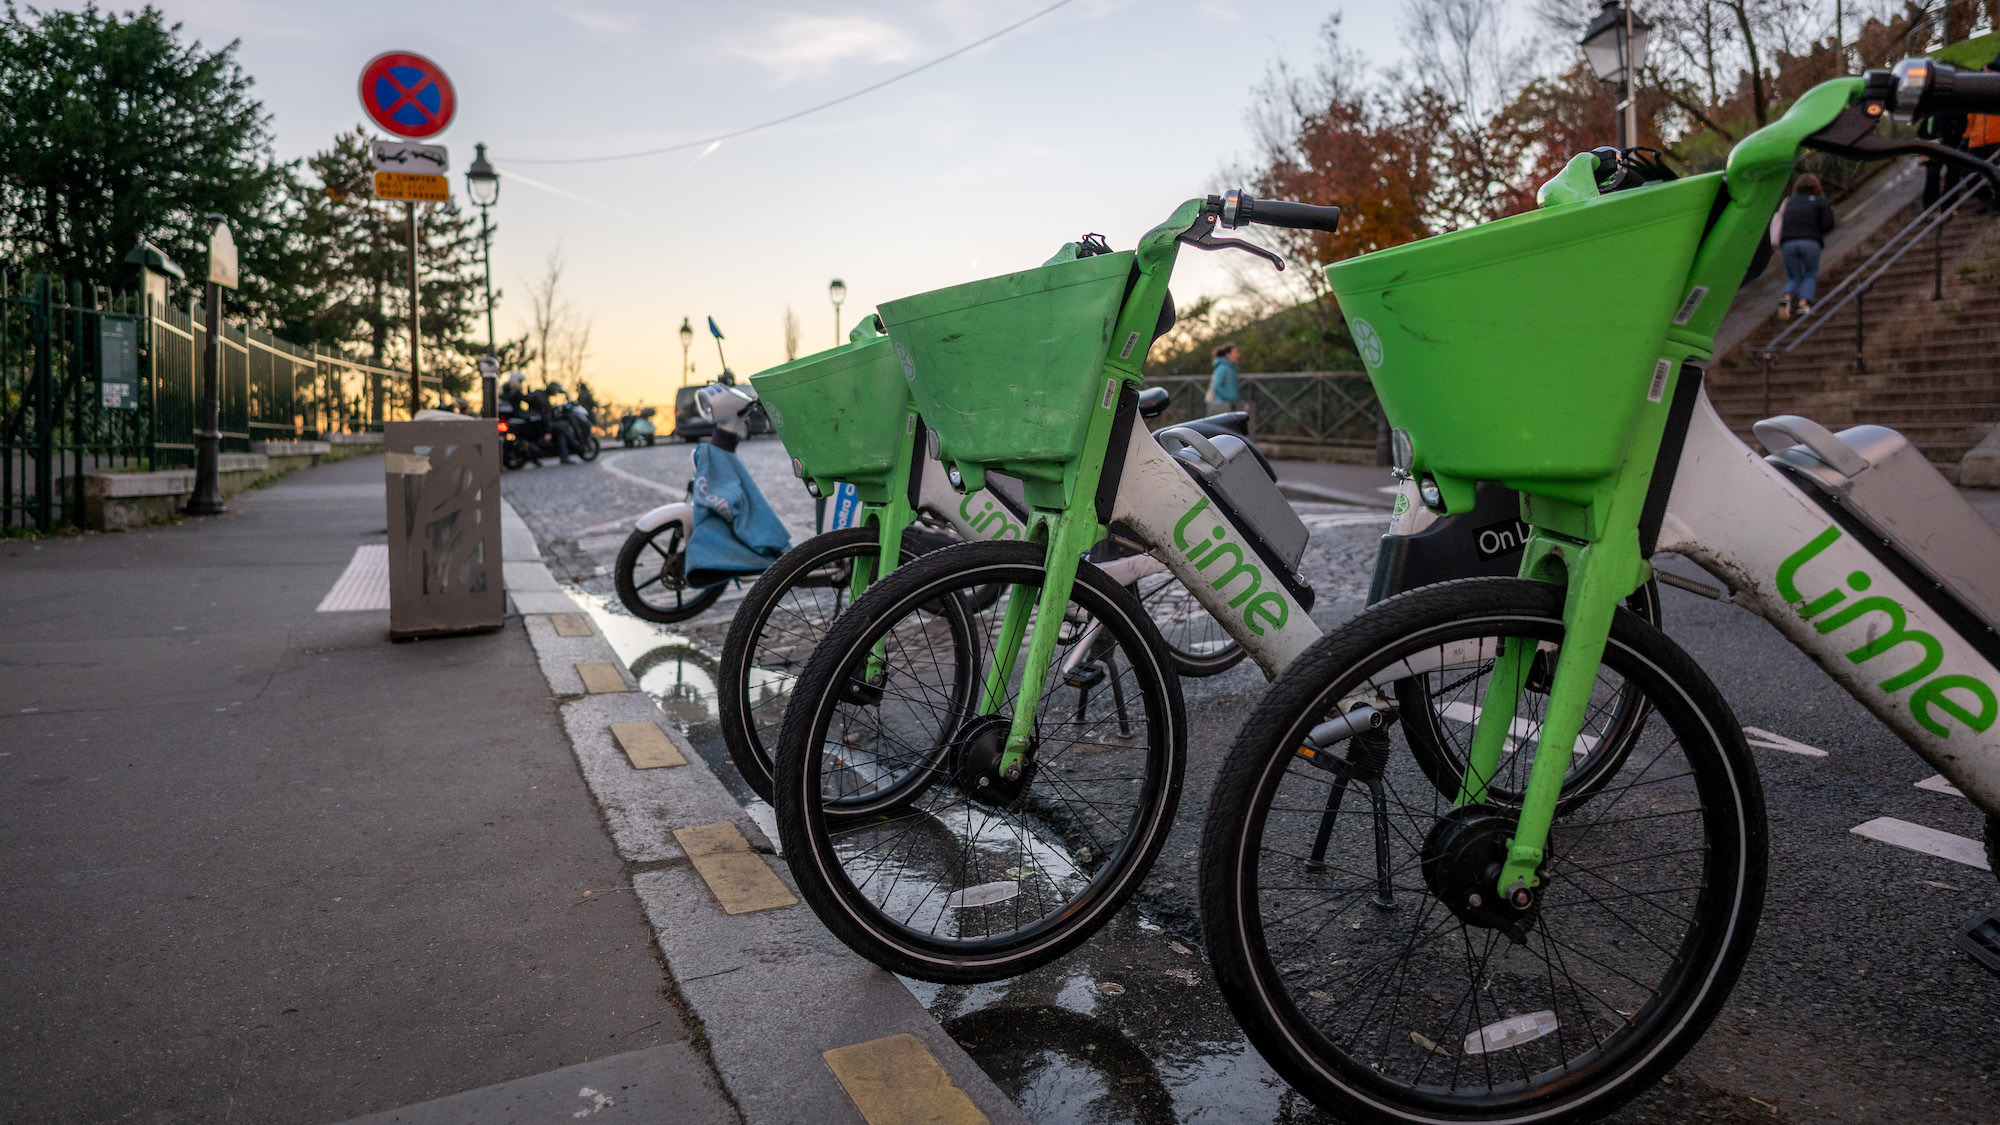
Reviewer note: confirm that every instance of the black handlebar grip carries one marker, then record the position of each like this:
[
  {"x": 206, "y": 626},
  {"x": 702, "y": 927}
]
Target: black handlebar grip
[
  {"x": 1972, "y": 91},
  {"x": 1297, "y": 216}
]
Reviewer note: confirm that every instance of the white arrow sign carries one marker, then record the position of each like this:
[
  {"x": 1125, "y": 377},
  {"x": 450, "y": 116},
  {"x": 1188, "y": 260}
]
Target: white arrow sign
[{"x": 402, "y": 156}]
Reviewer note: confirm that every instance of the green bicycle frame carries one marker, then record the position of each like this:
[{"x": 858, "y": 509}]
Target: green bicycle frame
[{"x": 1585, "y": 535}]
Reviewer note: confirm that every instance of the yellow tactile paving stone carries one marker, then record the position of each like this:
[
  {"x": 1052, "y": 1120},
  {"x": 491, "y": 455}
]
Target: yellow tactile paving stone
[
  {"x": 895, "y": 1080},
  {"x": 737, "y": 876},
  {"x": 646, "y": 745},
  {"x": 600, "y": 677},
  {"x": 571, "y": 624}
]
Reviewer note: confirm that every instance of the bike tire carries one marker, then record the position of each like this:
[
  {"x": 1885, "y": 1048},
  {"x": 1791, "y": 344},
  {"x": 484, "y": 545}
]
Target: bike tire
[
  {"x": 1335, "y": 1068},
  {"x": 1619, "y": 729},
  {"x": 750, "y": 729},
  {"x": 589, "y": 447},
  {"x": 1195, "y": 640},
  {"x": 686, "y": 602},
  {"x": 1058, "y": 848}
]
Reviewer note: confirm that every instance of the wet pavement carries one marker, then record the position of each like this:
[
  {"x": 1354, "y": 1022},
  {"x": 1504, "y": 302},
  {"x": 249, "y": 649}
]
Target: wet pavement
[{"x": 1854, "y": 1006}]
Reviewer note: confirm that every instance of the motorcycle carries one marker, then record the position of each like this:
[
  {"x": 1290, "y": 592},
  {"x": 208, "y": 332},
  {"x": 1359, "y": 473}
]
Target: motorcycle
[
  {"x": 636, "y": 429},
  {"x": 531, "y": 435}
]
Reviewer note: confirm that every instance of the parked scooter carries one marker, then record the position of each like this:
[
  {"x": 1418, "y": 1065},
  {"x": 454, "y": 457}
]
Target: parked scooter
[
  {"x": 654, "y": 577},
  {"x": 636, "y": 429}
]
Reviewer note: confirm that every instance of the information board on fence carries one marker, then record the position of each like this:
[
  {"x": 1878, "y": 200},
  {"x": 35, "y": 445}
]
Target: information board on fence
[
  {"x": 413, "y": 186},
  {"x": 118, "y": 362}
]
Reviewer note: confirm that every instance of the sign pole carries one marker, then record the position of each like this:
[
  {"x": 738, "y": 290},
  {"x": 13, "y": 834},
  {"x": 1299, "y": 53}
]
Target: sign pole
[
  {"x": 416, "y": 302},
  {"x": 222, "y": 271}
]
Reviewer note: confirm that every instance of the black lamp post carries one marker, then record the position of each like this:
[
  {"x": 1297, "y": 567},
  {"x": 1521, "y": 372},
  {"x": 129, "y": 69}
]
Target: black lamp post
[
  {"x": 207, "y": 498},
  {"x": 687, "y": 341},
  {"x": 1615, "y": 46},
  {"x": 483, "y": 184},
  {"x": 836, "y": 291}
]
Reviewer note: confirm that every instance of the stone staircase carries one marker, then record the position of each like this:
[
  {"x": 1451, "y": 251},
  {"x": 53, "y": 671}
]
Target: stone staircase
[{"x": 1928, "y": 368}]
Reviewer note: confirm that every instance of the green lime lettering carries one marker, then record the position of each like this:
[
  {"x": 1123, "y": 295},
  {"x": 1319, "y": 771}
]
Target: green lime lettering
[{"x": 1931, "y": 697}]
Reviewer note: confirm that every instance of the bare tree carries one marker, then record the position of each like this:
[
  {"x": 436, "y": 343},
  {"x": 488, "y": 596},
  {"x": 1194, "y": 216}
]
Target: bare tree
[
  {"x": 561, "y": 333},
  {"x": 791, "y": 334}
]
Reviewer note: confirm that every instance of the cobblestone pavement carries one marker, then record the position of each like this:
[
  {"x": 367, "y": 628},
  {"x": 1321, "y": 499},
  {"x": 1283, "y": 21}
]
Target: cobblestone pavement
[{"x": 1855, "y": 1006}]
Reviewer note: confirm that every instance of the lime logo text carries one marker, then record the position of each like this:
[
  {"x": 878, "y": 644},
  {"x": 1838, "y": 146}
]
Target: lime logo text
[
  {"x": 1260, "y": 607},
  {"x": 1933, "y": 700}
]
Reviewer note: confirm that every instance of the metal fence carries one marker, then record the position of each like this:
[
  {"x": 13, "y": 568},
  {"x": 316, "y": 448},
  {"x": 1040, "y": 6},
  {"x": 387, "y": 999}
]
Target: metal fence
[
  {"x": 1332, "y": 411},
  {"x": 91, "y": 380}
]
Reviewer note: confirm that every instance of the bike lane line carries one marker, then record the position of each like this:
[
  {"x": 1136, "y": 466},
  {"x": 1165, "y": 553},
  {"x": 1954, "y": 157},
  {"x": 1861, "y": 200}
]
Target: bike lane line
[{"x": 1929, "y": 841}]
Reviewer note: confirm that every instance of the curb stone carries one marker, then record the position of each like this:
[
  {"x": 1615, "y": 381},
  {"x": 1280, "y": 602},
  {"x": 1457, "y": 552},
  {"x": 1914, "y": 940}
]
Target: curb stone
[{"x": 772, "y": 990}]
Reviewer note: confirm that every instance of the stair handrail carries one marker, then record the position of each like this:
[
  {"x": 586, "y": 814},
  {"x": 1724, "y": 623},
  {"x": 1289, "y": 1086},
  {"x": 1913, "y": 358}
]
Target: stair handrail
[{"x": 1862, "y": 277}]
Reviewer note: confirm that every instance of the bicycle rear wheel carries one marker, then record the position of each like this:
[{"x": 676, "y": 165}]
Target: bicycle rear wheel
[
  {"x": 980, "y": 877},
  {"x": 782, "y": 619},
  {"x": 1196, "y": 641},
  {"x": 1349, "y": 910}
]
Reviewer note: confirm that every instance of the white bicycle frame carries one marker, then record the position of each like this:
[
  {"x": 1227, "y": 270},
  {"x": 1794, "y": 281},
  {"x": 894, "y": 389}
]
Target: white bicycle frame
[
  {"x": 1780, "y": 555},
  {"x": 1210, "y": 554}
]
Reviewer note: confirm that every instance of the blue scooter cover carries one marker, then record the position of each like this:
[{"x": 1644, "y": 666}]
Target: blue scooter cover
[{"x": 735, "y": 531}]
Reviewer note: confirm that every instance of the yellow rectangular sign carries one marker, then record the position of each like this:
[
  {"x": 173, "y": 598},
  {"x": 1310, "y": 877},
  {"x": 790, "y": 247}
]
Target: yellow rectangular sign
[{"x": 412, "y": 186}]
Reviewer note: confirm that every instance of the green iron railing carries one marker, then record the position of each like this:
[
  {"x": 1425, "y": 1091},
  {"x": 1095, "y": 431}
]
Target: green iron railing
[{"x": 91, "y": 380}]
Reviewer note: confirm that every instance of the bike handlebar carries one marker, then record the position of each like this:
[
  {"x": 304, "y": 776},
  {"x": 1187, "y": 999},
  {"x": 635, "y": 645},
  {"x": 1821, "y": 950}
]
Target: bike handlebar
[
  {"x": 1239, "y": 209},
  {"x": 1923, "y": 88}
]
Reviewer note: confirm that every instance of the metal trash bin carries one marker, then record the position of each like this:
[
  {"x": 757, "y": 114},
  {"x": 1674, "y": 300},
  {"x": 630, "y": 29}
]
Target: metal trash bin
[{"x": 443, "y": 494}]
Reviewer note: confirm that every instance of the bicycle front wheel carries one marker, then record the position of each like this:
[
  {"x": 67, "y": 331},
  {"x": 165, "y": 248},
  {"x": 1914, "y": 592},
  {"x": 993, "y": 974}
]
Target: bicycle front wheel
[
  {"x": 980, "y": 877},
  {"x": 1349, "y": 907}
]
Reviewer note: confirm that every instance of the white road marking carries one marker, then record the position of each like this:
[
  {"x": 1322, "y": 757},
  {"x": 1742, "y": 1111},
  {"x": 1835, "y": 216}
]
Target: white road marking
[
  {"x": 363, "y": 585},
  {"x": 1929, "y": 841},
  {"x": 1937, "y": 784},
  {"x": 1757, "y": 736},
  {"x": 1521, "y": 730},
  {"x": 604, "y": 462}
]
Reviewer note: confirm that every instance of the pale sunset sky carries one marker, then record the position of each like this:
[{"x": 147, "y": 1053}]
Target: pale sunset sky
[{"x": 1100, "y": 116}]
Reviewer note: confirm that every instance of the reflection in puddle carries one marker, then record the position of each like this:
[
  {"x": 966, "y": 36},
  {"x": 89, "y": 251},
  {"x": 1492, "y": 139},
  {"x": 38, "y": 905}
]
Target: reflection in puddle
[{"x": 1061, "y": 1067}]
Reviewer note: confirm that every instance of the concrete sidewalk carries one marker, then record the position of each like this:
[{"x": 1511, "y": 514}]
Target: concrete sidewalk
[
  {"x": 260, "y": 864},
  {"x": 1328, "y": 482}
]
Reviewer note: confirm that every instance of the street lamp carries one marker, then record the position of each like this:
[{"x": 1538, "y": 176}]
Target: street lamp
[
  {"x": 687, "y": 341},
  {"x": 1615, "y": 46},
  {"x": 483, "y": 184},
  {"x": 836, "y": 291}
]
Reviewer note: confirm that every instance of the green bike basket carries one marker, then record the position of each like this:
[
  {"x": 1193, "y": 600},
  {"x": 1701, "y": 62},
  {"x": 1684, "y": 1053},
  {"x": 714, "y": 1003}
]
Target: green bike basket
[
  {"x": 1522, "y": 350},
  {"x": 1006, "y": 370},
  {"x": 841, "y": 413}
]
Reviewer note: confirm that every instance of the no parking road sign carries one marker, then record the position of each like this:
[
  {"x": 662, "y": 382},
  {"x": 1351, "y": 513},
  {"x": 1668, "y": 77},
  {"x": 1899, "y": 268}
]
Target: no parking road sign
[{"x": 407, "y": 95}]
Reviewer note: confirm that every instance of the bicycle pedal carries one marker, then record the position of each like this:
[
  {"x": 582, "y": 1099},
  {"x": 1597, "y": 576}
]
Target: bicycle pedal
[
  {"x": 1981, "y": 940},
  {"x": 1088, "y": 676}
]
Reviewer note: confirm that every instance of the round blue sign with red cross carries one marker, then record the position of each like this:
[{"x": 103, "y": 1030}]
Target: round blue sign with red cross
[{"x": 407, "y": 95}]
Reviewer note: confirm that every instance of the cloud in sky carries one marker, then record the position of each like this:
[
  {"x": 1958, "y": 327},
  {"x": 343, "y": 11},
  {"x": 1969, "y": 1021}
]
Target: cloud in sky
[{"x": 794, "y": 47}]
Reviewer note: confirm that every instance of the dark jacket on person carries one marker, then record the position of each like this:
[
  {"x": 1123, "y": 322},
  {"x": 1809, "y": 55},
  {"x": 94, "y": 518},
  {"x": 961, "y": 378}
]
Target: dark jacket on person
[{"x": 1808, "y": 217}]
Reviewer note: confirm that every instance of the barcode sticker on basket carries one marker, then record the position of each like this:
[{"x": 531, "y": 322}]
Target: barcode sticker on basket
[
  {"x": 1693, "y": 302},
  {"x": 1131, "y": 342},
  {"x": 1659, "y": 388},
  {"x": 1110, "y": 393}
]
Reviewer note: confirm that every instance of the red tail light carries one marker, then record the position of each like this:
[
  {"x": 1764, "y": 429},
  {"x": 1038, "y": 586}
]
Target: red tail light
[{"x": 503, "y": 426}]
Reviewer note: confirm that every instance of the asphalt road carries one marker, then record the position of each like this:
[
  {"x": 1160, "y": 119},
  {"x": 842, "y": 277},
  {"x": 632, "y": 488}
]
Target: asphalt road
[{"x": 1855, "y": 1004}]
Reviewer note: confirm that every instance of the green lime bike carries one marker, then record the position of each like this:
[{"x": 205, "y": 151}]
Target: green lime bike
[
  {"x": 1546, "y": 959},
  {"x": 847, "y": 420}
]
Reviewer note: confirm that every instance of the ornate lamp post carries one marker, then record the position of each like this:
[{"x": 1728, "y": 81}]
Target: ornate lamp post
[
  {"x": 836, "y": 291},
  {"x": 687, "y": 341},
  {"x": 482, "y": 182},
  {"x": 1615, "y": 46}
]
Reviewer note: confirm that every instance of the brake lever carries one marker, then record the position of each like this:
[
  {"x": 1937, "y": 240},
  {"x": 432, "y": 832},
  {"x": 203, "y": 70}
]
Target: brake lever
[
  {"x": 1852, "y": 135},
  {"x": 1201, "y": 234}
]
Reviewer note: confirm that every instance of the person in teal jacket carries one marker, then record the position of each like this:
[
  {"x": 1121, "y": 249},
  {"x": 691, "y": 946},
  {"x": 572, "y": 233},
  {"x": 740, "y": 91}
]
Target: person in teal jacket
[{"x": 1224, "y": 391}]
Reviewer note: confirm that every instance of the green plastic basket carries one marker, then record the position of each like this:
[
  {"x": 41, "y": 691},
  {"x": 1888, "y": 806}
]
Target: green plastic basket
[
  {"x": 841, "y": 413},
  {"x": 1007, "y": 369},
  {"x": 1523, "y": 350}
]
